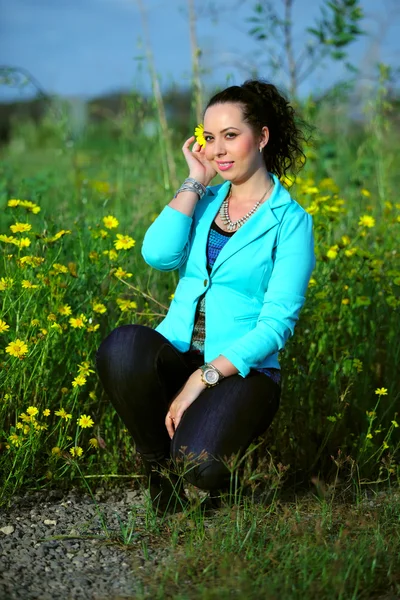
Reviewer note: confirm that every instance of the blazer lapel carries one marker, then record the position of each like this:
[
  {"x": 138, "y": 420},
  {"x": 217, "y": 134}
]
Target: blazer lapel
[{"x": 259, "y": 223}]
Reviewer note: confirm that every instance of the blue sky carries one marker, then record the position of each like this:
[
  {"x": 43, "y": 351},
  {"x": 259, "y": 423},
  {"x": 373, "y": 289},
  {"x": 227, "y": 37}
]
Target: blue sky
[{"x": 89, "y": 47}]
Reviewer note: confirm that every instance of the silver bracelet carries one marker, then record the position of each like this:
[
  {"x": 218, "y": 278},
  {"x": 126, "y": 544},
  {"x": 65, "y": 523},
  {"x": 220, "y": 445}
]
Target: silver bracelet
[{"x": 192, "y": 185}]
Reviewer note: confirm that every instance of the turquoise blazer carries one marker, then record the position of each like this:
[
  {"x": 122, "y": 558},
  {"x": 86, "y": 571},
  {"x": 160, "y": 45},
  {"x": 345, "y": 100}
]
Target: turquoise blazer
[{"x": 257, "y": 284}]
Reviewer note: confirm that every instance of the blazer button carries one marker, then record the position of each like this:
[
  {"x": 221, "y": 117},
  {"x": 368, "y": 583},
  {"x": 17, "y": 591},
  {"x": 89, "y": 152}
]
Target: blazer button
[{"x": 205, "y": 283}]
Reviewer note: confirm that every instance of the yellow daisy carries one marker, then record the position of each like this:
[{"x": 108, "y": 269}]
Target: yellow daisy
[
  {"x": 199, "y": 134},
  {"x": 76, "y": 451},
  {"x": 124, "y": 242},
  {"x": 79, "y": 381},
  {"x": 20, "y": 227},
  {"x": 85, "y": 421},
  {"x": 78, "y": 322},
  {"x": 367, "y": 221},
  {"x": 3, "y": 326},
  {"x": 64, "y": 415},
  {"x": 110, "y": 222},
  {"x": 98, "y": 307},
  {"x": 17, "y": 348},
  {"x": 65, "y": 310}
]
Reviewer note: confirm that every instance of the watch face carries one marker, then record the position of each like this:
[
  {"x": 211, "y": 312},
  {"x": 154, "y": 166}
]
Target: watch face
[{"x": 211, "y": 376}]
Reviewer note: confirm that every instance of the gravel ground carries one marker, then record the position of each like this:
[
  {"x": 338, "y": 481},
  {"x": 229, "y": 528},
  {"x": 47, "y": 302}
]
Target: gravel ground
[
  {"x": 53, "y": 546},
  {"x": 43, "y": 555}
]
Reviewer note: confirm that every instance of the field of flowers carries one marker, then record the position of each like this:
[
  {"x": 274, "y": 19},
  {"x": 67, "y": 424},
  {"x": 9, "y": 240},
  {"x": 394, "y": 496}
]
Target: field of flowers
[{"x": 73, "y": 216}]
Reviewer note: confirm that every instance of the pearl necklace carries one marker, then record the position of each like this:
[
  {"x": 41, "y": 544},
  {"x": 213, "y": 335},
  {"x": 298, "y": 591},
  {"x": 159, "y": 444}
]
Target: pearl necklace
[{"x": 223, "y": 211}]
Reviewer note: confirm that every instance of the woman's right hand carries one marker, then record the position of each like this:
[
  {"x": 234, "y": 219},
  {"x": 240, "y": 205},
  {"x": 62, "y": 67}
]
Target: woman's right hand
[{"x": 199, "y": 167}]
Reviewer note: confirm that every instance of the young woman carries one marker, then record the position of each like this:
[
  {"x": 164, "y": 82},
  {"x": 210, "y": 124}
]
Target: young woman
[{"x": 206, "y": 381}]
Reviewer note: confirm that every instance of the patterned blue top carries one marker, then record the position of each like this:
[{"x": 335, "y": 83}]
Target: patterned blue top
[{"x": 217, "y": 238}]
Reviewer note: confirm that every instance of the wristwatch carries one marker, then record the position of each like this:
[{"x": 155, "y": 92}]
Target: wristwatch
[{"x": 210, "y": 375}]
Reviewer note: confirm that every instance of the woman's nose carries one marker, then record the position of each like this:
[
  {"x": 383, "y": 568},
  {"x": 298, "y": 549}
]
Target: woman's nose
[{"x": 219, "y": 147}]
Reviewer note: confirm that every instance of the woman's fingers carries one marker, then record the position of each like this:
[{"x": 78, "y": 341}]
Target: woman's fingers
[{"x": 170, "y": 425}]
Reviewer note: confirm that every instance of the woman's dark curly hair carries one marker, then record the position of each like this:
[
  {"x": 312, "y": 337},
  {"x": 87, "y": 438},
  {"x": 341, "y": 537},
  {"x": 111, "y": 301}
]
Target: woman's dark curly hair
[{"x": 263, "y": 105}]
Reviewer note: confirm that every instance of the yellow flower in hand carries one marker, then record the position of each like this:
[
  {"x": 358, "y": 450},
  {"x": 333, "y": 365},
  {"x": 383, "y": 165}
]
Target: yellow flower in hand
[{"x": 199, "y": 134}]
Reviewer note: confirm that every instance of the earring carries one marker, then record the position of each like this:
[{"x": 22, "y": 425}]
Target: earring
[{"x": 260, "y": 149}]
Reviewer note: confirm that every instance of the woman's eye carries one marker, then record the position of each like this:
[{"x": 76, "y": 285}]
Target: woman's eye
[
  {"x": 232, "y": 134},
  {"x": 207, "y": 138}
]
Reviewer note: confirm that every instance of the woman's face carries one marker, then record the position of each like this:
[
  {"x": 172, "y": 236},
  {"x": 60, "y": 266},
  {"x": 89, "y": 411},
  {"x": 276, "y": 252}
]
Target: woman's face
[{"x": 231, "y": 146}]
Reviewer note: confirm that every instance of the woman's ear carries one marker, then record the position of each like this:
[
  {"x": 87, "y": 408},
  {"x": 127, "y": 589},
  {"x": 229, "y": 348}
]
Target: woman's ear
[{"x": 264, "y": 136}]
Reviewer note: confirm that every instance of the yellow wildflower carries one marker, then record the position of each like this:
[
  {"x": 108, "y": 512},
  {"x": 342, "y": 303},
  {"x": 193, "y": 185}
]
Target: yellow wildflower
[
  {"x": 92, "y": 395},
  {"x": 65, "y": 310},
  {"x": 333, "y": 252},
  {"x": 84, "y": 369},
  {"x": 26, "y": 284},
  {"x": 199, "y": 134},
  {"x": 395, "y": 423},
  {"x": 385, "y": 444},
  {"x": 76, "y": 451},
  {"x": 125, "y": 305},
  {"x": 16, "y": 440},
  {"x": 98, "y": 307},
  {"x": 13, "y": 202},
  {"x": 7, "y": 239},
  {"x": 20, "y": 227},
  {"x": 93, "y": 443},
  {"x": 367, "y": 221},
  {"x": 51, "y": 317},
  {"x": 85, "y": 421},
  {"x": 345, "y": 301},
  {"x": 19, "y": 425},
  {"x": 381, "y": 392},
  {"x": 46, "y": 412},
  {"x": 17, "y": 348},
  {"x": 64, "y": 390},
  {"x": 61, "y": 413},
  {"x": 312, "y": 189},
  {"x": 121, "y": 273},
  {"x": 56, "y": 450},
  {"x": 35, "y": 322},
  {"x": 350, "y": 251},
  {"x": 6, "y": 283},
  {"x": 79, "y": 380},
  {"x": 57, "y": 327},
  {"x": 3, "y": 326},
  {"x": 31, "y": 206},
  {"x": 32, "y": 261},
  {"x": 23, "y": 242},
  {"x": 61, "y": 233},
  {"x": 112, "y": 254},
  {"x": 110, "y": 222},
  {"x": 93, "y": 327},
  {"x": 124, "y": 242},
  {"x": 78, "y": 322},
  {"x": 59, "y": 269},
  {"x": 366, "y": 193},
  {"x": 32, "y": 411}
]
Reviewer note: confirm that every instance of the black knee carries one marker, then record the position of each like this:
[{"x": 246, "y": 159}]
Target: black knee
[
  {"x": 210, "y": 475},
  {"x": 116, "y": 349}
]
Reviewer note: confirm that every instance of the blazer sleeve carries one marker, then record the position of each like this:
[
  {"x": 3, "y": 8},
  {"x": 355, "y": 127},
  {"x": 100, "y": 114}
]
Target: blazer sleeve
[
  {"x": 294, "y": 262},
  {"x": 165, "y": 244}
]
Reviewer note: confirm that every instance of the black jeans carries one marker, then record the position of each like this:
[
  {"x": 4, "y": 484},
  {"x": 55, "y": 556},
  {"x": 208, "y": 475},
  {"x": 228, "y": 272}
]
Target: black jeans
[{"x": 141, "y": 371}]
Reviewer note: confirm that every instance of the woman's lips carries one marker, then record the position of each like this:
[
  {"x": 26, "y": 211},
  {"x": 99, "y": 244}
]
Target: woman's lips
[{"x": 224, "y": 166}]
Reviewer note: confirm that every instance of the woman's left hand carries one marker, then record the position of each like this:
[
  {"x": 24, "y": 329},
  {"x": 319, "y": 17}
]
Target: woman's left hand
[{"x": 182, "y": 400}]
